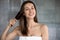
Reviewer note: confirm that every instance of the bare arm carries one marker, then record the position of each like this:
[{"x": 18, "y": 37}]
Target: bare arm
[
  {"x": 12, "y": 35},
  {"x": 5, "y": 35},
  {"x": 44, "y": 31}
]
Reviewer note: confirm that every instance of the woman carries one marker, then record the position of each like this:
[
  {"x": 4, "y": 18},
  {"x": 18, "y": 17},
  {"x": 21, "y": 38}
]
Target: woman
[{"x": 29, "y": 25}]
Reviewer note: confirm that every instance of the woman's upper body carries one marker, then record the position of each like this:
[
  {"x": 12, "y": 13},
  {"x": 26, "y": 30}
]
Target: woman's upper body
[
  {"x": 29, "y": 25},
  {"x": 39, "y": 30}
]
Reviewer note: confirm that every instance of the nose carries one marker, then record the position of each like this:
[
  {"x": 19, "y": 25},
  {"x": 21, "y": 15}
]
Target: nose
[{"x": 30, "y": 10}]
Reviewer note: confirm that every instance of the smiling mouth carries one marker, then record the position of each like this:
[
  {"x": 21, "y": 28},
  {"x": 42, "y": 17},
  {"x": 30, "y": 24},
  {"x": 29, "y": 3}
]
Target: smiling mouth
[{"x": 31, "y": 14}]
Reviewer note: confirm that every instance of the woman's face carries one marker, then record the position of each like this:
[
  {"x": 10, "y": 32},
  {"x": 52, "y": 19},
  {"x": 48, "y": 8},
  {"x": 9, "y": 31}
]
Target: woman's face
[{"x": 29, "y": 10}]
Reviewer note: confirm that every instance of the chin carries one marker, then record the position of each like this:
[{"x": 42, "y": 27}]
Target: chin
[{"x": 31, "y": 17}]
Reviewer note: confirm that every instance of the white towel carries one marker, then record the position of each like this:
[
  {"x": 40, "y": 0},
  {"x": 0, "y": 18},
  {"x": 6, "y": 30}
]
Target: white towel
[{"x": 30, "y": 38}]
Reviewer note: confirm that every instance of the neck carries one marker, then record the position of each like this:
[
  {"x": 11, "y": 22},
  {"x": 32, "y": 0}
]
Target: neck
[{"x": 30, "y": 22}]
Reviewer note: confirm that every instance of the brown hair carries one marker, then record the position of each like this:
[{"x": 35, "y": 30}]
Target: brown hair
[{"x": 22, "y": 18}]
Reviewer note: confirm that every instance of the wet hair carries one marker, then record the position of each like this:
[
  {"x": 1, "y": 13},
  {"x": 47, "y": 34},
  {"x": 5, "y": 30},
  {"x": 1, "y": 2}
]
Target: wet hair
[{"x": 22, "y": 18}]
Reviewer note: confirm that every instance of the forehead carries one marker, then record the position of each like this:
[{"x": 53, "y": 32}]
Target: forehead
[{"x": 29, "y": 5}]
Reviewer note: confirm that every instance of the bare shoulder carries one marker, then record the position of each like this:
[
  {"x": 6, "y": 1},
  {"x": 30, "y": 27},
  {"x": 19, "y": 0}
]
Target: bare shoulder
[
  {"x": 43, "y": 26},
  {"x": 44, "y": 31},
  {"x": 18, "y": 30},
  {"x": 12, "y": 34}
]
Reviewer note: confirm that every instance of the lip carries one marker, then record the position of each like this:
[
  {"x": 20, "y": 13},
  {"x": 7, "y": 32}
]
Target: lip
[{"x": 31, "y": 14}]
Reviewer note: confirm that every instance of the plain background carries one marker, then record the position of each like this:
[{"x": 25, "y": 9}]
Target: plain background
[{"x": 48, "y": 12}]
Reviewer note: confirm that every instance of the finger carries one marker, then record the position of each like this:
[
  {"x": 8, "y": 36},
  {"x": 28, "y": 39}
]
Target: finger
[{"x": 15, "y": 20}]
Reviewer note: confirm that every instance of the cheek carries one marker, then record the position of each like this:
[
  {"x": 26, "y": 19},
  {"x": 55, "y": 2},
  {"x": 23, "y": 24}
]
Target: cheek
[
  {"x": 34, "y": 12},
  {"x": 26, "y": 13}
]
